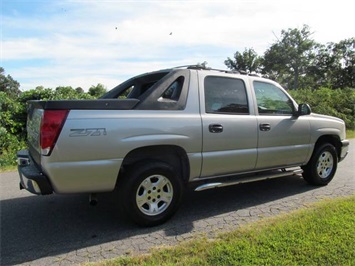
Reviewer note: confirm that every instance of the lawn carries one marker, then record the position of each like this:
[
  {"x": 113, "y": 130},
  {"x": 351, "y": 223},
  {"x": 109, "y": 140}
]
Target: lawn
[
  {"x": 321, "y": 234},
  {"x": 350, "y": 134}
]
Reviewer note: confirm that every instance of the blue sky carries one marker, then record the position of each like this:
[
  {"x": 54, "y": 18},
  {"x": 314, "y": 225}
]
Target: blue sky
[{"x": 81, "y": 43}]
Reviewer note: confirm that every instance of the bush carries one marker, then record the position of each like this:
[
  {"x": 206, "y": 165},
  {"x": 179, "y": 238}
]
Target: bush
[
  {"x": 13, "y": 115},
  {"x": 9, "y": 145},
  {"x": 339, "y": 103}
]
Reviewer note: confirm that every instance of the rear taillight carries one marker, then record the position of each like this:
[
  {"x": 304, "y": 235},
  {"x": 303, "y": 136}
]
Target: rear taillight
[{"x": 51, "y": 125}]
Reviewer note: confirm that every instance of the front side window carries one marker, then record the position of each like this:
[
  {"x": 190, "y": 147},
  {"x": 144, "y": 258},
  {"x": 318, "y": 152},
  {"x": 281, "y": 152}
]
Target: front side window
[
  {"x": 225, "y": 95},
  {"x": 272, "y": 100}
]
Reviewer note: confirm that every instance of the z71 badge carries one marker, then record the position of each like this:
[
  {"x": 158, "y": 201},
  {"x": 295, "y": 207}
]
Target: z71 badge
[{"x": 91, "y": 132}]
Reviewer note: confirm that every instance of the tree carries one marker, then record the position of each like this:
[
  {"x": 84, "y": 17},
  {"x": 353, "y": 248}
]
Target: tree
[
  {"x": 10, "y": 108},
  {"x": 11, "y": 124},
  {"x": 97, "y": 91},
  {"x": 79, "y": 90},
  {"x": 289, "y": 58},
  {"x": 9, "y": 85},
  {"x": 334, "y": 65},
  {"x": 65, "y": 92},
  {"x": 321, "y": 67},
  {"x": 203, "y": 64},
  {"x": 248, "y": 61},
  {"x": 344, "y": 53}
]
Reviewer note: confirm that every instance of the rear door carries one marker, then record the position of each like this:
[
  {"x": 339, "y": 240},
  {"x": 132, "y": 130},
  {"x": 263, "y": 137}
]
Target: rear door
[
  {"x": 229, "y": 129},
  {"x": 284, "y": 139}
]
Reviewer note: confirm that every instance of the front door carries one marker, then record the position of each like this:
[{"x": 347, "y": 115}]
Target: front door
[{"x": 284, "y": 139}]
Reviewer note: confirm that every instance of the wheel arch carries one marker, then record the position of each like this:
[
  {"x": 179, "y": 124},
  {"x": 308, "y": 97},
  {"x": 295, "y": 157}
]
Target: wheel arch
[
  {"x": 332, "y": 139},
  {"x": 173, "y": 155}
]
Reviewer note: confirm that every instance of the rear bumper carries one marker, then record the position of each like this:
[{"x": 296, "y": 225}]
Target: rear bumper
[
  {"x": 31, "y": 176},
  {"x": 344, "y": 149}
]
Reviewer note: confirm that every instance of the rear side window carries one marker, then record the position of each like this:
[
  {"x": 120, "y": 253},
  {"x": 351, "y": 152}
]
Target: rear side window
[{"x": 225, "y": 95}]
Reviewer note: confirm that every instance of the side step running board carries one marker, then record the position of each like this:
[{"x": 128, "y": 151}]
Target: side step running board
[{"x": 242, "y": 180}]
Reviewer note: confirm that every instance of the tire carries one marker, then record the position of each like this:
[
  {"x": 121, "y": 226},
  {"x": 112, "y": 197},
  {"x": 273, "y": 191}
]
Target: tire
[
  {"x": 150, "y": 193},
  {"x": 321, "y": 169}
]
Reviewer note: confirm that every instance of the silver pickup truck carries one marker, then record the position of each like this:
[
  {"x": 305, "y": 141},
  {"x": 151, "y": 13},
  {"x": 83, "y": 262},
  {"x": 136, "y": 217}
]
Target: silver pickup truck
[{"x": 156, "y": 133}]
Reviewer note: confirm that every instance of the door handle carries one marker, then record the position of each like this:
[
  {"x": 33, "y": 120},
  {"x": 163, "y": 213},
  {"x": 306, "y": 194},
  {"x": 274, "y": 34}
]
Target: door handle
[
  {"x": 265, "y": 127},
  {"x": 215, "y": 128}
]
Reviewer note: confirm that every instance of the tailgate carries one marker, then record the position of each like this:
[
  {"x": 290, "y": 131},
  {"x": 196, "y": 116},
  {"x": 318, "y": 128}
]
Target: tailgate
[{"x": 34, "y": 118}]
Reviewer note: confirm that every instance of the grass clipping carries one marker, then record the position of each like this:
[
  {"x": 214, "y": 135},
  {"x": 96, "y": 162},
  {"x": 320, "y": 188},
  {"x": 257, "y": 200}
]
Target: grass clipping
[{"x": 322, "y": 234}]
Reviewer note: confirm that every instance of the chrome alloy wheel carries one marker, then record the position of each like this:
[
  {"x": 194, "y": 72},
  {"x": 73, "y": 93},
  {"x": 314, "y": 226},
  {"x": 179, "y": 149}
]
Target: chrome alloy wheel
[
  {"x": 154, "y": 195},
  {"x": 325, "y": 164}
]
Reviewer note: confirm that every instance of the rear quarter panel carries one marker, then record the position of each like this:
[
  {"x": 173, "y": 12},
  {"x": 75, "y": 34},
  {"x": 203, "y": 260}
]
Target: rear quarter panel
[{"x": 93, "y": 143}]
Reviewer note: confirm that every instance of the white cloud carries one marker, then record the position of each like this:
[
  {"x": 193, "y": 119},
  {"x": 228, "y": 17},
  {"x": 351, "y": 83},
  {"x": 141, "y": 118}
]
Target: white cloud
[{"x": 90, "y": 42}]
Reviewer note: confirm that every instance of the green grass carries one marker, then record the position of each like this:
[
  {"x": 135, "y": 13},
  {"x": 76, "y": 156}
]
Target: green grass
[
  {"x": 8, "y": 168},
  {"x": 322, "y": 234},
  {"x": 350, "y": 134}
]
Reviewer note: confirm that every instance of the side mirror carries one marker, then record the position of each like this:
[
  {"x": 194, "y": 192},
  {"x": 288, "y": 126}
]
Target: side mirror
[{"x": 303, "y": 109}]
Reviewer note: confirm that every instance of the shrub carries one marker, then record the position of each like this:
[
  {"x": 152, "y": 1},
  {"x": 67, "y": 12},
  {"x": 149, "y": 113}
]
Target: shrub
[
  {"x": 9, "y": 145},
  {"x": 339, "y": 102}
]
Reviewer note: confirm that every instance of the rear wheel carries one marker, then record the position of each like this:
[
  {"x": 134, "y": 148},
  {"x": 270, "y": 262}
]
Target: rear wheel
[
  {"x": 150, "y": 192},
  {"x": 321, "y": 169}
]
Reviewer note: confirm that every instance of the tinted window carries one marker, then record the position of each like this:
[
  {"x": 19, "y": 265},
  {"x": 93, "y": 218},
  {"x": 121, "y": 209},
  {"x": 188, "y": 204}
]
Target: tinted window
[
  {"x": 136, "y": 86},
  {"x": 173, "y": 92},
  {"x": 170, "y": 93},
  {"x": 225, "y": 95},
  {"x": 272, "y": 100},
  {"x": 126, "y": 93}
]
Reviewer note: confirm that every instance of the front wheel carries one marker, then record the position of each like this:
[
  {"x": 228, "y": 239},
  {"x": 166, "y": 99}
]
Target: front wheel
[
  {"x": 321, "y": 169},
  {"x": 150, "y": 192}
]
